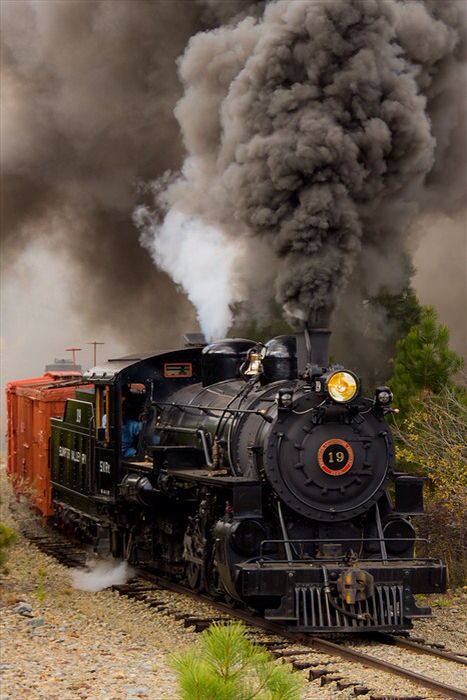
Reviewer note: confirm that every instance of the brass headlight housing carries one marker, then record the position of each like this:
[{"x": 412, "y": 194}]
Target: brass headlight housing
[{"x": 342, "y": 386}]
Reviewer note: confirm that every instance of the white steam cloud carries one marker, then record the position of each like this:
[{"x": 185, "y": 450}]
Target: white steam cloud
[
  {"x": 202, "y": 260},
  {"x": 100, "y": 575}
]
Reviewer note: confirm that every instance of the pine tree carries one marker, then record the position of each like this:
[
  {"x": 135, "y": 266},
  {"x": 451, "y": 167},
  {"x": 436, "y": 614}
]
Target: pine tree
[
  {"x": 226, "y": 665},
  {"x": 402, "y": 309},
  {"x": 423, "y": 362}
]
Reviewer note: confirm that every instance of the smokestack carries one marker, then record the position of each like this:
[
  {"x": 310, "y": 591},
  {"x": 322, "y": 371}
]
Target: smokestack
[{"x": 312, "y": 348}]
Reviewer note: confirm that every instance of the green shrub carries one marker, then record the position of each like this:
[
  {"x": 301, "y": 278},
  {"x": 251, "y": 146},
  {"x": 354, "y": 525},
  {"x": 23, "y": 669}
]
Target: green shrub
[
  {"x": 225, "y": 665},
  {"x": 431, "y": 442},
  {"x": 7, "y": 537}
]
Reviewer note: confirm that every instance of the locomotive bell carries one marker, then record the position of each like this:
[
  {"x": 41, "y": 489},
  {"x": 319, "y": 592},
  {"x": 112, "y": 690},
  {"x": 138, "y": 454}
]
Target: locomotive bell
[{"x": 255, "y": 363}]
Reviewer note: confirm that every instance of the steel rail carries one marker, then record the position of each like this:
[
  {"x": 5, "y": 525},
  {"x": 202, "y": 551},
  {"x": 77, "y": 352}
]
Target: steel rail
[{"x": 405, "y": 643}]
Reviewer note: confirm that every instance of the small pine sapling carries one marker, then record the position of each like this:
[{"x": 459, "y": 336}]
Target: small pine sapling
[{"x": 226, "y": 665}]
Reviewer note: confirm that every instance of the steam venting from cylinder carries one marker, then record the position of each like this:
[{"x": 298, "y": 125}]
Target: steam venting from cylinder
[{"x": 315, "y": 132}]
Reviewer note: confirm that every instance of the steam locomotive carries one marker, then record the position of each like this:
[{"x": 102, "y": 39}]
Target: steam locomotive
[{"x": 257, "y": 473}]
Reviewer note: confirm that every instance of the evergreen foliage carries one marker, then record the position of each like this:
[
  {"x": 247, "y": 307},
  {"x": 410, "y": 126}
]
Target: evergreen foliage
[
  {"x": 226, "y": 665},
  {"x": 403, "y": 309},
  {"x": 423, "y": 362}
]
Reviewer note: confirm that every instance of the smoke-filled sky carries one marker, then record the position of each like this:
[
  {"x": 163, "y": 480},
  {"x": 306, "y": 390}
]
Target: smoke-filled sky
[{"x": 301, "y": 139}]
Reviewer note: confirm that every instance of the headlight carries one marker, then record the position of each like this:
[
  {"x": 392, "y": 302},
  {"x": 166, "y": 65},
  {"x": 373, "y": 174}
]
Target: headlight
[{"x": 342, "y": 386}]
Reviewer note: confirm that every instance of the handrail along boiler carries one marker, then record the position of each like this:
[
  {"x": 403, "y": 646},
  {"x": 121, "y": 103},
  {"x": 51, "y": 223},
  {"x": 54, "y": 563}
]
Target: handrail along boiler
[{"x": 260, "y": 473}]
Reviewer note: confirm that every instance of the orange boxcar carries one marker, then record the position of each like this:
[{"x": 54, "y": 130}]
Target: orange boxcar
[{"x": 30, "y": 404}]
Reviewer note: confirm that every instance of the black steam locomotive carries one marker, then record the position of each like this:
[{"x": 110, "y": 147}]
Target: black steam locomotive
[{"x": 257, "y": 473}]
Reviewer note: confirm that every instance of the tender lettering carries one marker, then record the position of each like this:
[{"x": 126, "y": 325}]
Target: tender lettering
[{"x": 74, "y": 455}]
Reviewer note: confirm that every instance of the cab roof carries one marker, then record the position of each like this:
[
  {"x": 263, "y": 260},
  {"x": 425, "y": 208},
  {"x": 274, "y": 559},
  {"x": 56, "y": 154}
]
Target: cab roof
[{"x": 140, "y": 365}]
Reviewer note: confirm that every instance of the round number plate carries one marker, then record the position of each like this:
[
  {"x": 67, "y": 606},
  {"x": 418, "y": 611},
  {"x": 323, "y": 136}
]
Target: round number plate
[{"x": 335, "y": 457}]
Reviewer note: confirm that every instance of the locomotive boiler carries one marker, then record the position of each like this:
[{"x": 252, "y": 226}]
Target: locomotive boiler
[{"x": 257, "y": 473}]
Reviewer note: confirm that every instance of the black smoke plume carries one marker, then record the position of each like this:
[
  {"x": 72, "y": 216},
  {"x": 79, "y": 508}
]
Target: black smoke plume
[{"x": 317, "y": 132}]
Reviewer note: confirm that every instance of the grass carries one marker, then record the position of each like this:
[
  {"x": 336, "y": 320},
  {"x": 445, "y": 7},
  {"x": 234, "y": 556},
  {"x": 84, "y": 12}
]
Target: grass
[
  {"x": 40, "y": 590},
  {"x": 7, "y": 537}
]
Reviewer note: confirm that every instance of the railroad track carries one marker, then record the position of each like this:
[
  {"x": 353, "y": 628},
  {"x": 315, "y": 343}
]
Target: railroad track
[
  {"x": 314, "y": 643},
  {"x": 283, "y": 644}
]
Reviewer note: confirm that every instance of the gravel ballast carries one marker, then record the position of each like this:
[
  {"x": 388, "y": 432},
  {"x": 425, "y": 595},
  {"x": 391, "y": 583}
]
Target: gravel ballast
[{"x": 78, "y": 644}]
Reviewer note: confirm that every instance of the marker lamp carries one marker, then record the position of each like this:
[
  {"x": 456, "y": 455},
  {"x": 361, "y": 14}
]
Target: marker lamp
[
  {"x": 342, "y": 386},
  {"x": 383, "y": 395}
]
